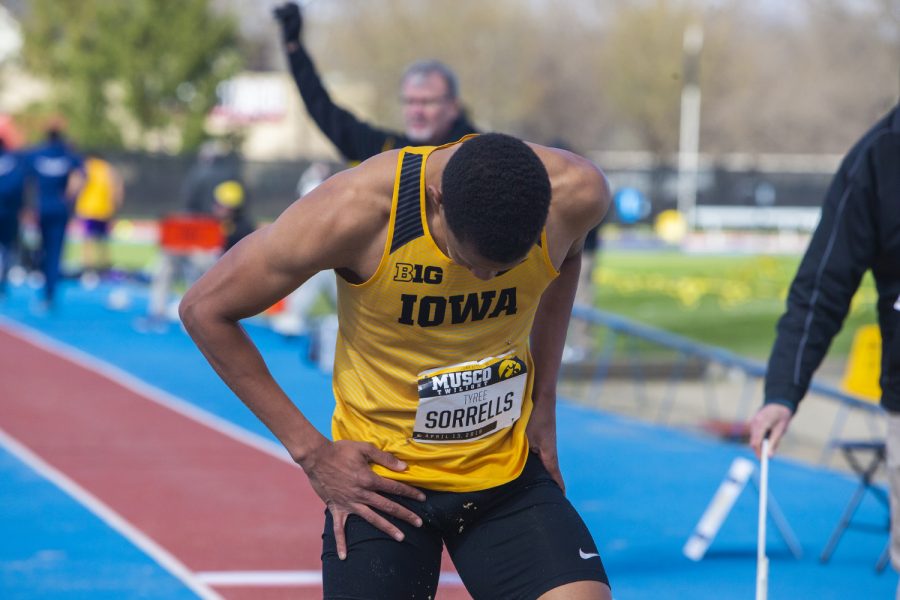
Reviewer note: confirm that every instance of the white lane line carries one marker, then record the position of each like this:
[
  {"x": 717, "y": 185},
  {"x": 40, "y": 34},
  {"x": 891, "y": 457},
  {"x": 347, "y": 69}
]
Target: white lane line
[
  {"x": 260, "y": 578},
  {"x": 114, "y": 520},
  {"x": 144, "y": 389},
  {"x": 281, "y": 578}
]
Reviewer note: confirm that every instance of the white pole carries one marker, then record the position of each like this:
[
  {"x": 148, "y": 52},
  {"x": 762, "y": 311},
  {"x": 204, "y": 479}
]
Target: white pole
[
  {"x": 689, "y": 129},
  {"x": 762, "y": 562}
]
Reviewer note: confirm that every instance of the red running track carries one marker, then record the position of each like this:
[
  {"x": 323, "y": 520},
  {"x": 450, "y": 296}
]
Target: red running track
[{"x": 214, "y": 503}]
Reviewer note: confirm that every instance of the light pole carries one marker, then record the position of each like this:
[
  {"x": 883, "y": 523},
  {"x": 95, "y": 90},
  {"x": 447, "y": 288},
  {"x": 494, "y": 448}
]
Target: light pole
[{"x": 689, "y": 131}]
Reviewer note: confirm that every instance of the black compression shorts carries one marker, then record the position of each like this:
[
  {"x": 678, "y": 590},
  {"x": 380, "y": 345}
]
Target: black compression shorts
[{"x": 515, "y": 541}]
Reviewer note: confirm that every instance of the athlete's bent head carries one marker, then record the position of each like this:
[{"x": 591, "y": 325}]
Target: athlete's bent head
[{"x": 496, "y": 195}]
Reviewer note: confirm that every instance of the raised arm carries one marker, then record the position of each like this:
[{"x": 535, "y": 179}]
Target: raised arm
[
  {"x": 356, "y": 140},
  {"x": 580, "y": 200}
]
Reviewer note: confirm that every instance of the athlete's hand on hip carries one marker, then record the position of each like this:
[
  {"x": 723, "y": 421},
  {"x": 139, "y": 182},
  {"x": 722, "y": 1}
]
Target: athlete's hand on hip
[
  {"x": 341, "y": 474},
  {"x": 771, "y": 418},
  {"x": 541, "y": 434}
]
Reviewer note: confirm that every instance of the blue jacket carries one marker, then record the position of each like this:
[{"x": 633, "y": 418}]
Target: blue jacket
[
  {"x": 12, "y": 184},
  {"x": 50, "y": 166}
]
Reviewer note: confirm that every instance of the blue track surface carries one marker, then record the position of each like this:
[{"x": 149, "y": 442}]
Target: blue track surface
[
  {"x": 641, "y": 488},
  {"x": 52, "y": 547}
]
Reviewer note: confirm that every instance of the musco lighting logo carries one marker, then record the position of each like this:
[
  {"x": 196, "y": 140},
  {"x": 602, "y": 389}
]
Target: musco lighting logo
[{"x": 466, "y": 402}]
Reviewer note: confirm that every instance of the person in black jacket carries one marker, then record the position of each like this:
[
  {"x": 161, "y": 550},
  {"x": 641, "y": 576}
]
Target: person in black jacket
[
  {"x": 432, "y": 112},
  {"x": 859, "y": 230}
]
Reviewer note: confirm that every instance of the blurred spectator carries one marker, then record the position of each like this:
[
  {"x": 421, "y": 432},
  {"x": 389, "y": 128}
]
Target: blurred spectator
[
  {"x": 315, "y": 173},
  {"x": 100, "y": 199},
  {"x": 579, "y": 341},
  {"x": 216, "y": 163},
  {"x": 57, "y": 171},
  {"x": 215, "y": 218},
  {"x": 297, "y": 315},
  {"x": 12, "y": 182},
  {"x": 9, "y": 133},
  {"x": 432, "y": 112},
  {"x": 231, "y": 210},
  {"x": 859, "y": 230}
]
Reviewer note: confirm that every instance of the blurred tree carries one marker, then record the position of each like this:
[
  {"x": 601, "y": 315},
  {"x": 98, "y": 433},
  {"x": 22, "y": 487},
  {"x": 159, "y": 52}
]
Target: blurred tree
[
  {"x": 138, "y": 73},
  {"x": 642, "y": 62},
  {"x": 790, "y": 77},
  {"x": 805, "y": 81},
  {"x": 526, "y": 68}
]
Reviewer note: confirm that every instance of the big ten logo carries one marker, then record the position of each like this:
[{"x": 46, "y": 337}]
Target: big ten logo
[{"x": 418, "y": 273}]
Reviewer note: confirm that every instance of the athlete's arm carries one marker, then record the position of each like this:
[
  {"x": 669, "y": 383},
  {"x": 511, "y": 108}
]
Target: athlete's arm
[
  {"x": 843, "y": 246},
  {"x": 580, "y": 200},
  {"x": 340, "y": 225}
]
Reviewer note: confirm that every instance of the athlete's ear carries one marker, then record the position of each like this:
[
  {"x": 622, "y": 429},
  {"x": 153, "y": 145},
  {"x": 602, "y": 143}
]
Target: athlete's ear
[
  {"x": 435, "y": 200},
  {"x": 434, "y": 197}
]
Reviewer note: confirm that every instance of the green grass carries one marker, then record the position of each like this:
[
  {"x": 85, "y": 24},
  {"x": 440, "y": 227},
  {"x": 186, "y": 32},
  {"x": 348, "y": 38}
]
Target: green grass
[
  {"x": 124, "y": 256},
  {"x": 729, "y": 301}
]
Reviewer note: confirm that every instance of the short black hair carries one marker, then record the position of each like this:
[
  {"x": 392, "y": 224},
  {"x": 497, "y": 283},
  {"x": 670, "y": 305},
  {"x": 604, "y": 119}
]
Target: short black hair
[{"x": 496, "y": 195}]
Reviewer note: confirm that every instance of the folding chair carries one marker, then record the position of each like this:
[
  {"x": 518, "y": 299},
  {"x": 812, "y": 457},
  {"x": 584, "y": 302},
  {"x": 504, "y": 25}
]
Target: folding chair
[{"x": 865, "y": 470}]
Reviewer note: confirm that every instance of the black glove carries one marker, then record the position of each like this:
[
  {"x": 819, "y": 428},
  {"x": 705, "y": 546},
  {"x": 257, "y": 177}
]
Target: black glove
[{"x": 291, "y": 20}]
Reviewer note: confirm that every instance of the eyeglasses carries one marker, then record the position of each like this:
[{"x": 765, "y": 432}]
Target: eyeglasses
[{"x": 424, "y": 102}]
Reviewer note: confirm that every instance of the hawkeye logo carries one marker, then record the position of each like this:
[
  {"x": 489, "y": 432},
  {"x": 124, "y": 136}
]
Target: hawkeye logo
[
  {"x": 429, "y": 311},
  {"x": 418, "y": 273},
  {"x": 509, "y": 368}
]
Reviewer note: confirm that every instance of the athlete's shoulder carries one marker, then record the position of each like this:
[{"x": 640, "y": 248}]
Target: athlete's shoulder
[
  {"x": 363, "y": 194},
  {"x": 344, "y": 219},
  {"x": 376, "y": 175},
  {"x": 580, "y": 189}
]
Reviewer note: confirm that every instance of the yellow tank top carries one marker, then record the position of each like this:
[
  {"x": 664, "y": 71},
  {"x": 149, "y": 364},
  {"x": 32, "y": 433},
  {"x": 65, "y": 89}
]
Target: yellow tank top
[
  {"x": 433, "y": 364},
  {"x": 96, "y": 199}
]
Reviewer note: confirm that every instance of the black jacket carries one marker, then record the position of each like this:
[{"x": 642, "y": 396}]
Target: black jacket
[
  {"x": 859, "y": 230},
  {"x": 355, "y": 139}
]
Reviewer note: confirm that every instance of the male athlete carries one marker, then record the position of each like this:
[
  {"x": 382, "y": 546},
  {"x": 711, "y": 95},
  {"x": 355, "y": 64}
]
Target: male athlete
[{"x": 457, "y": 267}]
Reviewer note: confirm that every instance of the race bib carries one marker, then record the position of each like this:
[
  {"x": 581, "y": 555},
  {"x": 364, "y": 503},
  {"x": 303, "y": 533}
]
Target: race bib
[{"x": 469, "y": 401}]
